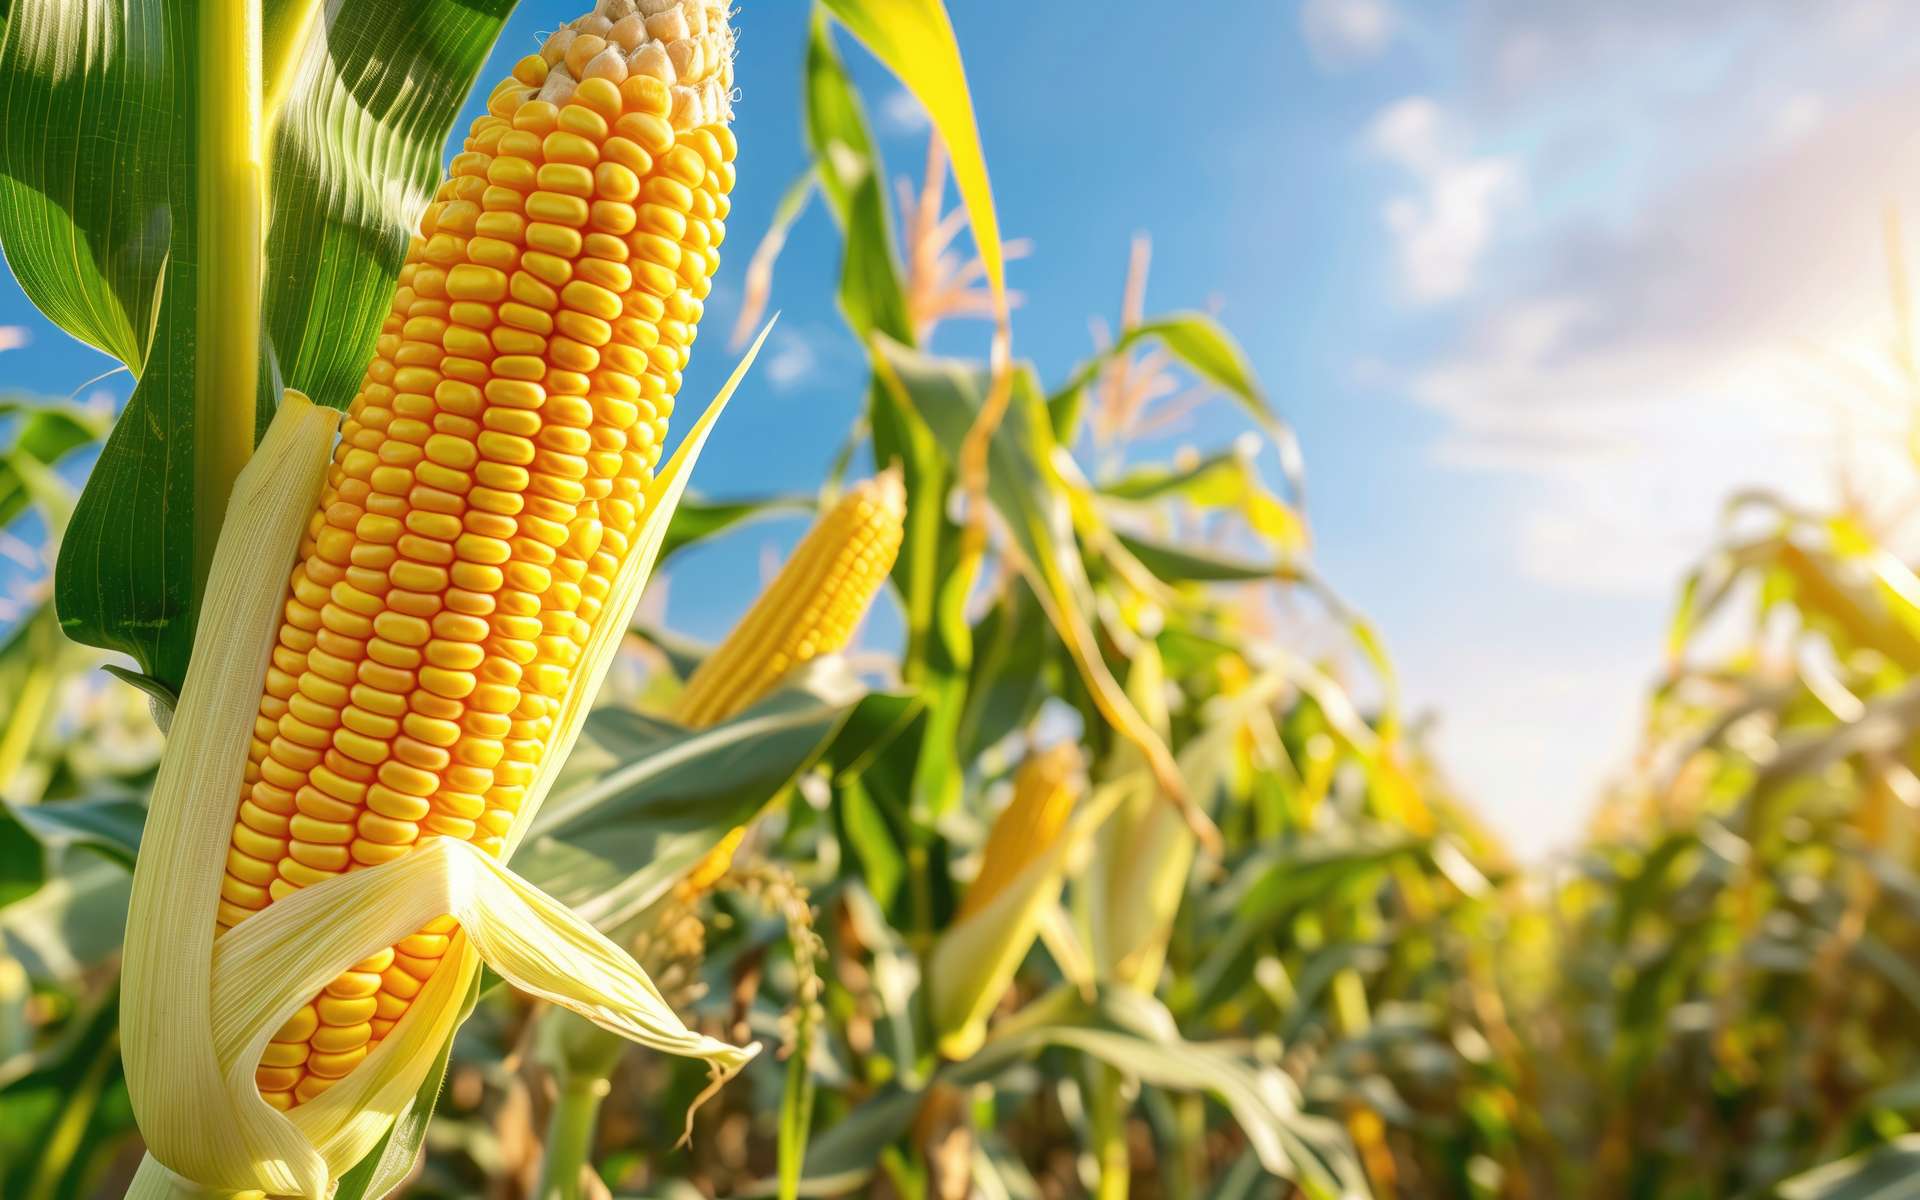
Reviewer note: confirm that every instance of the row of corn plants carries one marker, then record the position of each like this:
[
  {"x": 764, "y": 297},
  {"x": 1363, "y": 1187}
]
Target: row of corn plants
[
  {"x": 1725, "y": 969},
  {"x": 1121, "y": 873}
]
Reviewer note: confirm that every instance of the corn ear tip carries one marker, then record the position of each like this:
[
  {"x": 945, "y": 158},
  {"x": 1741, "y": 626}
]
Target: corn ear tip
[
  {"x": 961, "y": 1044},
  {"x": 891, "y": 487}
]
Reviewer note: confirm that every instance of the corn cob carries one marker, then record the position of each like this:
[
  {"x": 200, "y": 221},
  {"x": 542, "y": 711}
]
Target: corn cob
[
  {"x": 811, "y": 609},
  {"x": 487, "y": 484},
  {"x": 1028, "y": 827}
]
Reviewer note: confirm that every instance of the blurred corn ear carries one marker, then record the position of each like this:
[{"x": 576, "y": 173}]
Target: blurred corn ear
[
  {"x": 1136, "y": 873},
  {"x": 810, "y": 610},
  {"x": 1021, "y": 866}
]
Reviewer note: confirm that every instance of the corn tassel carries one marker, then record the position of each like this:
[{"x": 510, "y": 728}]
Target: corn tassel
[{"x": 481, "y": 534}]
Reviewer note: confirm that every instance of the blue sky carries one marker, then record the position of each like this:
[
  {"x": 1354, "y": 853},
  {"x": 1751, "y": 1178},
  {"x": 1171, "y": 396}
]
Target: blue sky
[{"x": 1536, "y": 283}]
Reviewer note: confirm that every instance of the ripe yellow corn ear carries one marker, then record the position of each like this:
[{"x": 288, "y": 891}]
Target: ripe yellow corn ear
[
  {"x": 810, "y": 610},
  {"x": 487, "y": 487},
  {"x": 198, "y": 1014},
  {"x": 458, "y": 591},
  {"x": 974, "y": 961}
]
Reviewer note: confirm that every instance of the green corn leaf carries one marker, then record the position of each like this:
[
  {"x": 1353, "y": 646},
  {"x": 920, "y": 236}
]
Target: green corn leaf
[
  {"x": 852, "y": 179},
  {"x": 870, "y": 292},
  {"x": 836, "y": 126},
  {"x": 698, "y": 520},
  {"x": 1012, "y": 670},
  {"x": 1215, "y": 479},
  {"x": 93, "y": 161},
  {"x": 98, "y": 220},
  {"x": 109, "y": 824},
  {"x": 65, "y": 930},
  {"x": 647, "y": 799},
  {"x": 1207, "y": 349},
  {"x": 356, "y": 160},
  {"x": 1889, "y": 1172},
  {"x": 22, "y": 860},
  {"x": 1031, "y": 499},
  {"x": 1179, "y": 564},
  {"x": 45, "y": 432},
  {"x": 934, "y": 590},
  {"x": 96, "y": 203},
  {"x": 915, "y": 39}
]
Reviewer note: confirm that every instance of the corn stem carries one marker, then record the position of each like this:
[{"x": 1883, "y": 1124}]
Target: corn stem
[
  {"x": 569, "y": 1151},
  {"x": 230, "y": 211},
  {"x": 1108, "y": 1120}
]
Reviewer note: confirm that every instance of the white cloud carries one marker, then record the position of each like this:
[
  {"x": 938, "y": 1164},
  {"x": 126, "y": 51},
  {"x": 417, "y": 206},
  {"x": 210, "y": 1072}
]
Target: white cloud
[
  {"x": 901, "y": 113},
  {"x": 1692, "y": 301},
  {"x": 1733, "y": 333},
  {"x": 1442, "y": 230},
  {"x": 1409, "y": 133},
  {"x": 1342, "y": 32},
  {"x": 1799, "y": 116},
  {"x": 792, "y": 362}
]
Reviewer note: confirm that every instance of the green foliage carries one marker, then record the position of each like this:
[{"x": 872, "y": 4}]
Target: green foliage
[{"x": 98, "y": 220}]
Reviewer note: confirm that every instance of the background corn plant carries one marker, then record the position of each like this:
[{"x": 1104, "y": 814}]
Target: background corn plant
[{"x": 1734, "y": 951}]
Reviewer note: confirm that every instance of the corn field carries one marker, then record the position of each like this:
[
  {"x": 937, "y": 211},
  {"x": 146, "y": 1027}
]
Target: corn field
[{"x": 1047, "y": 825}]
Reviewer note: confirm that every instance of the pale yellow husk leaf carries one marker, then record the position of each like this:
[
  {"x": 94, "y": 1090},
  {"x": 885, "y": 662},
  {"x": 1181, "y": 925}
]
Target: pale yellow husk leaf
[
  {"x": 1136, "y": 875},
  {"x": 197, "y": 1015}
]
